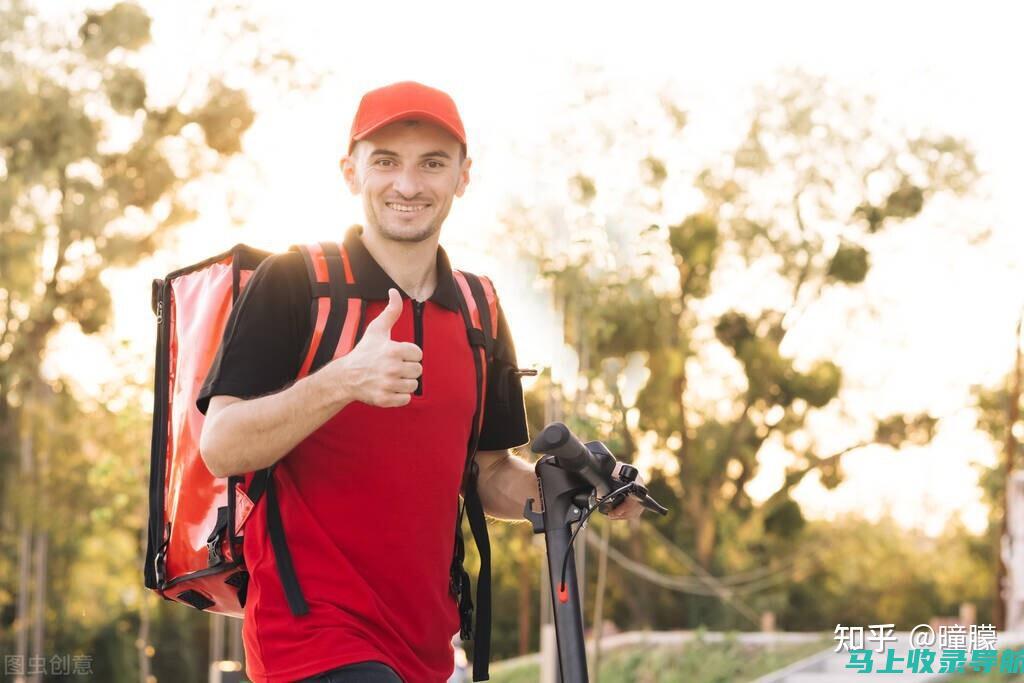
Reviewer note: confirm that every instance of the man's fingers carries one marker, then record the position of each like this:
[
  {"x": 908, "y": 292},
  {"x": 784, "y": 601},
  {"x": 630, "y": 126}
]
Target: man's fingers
[
  {"x": 410, "y": 370},
  {"x": 397, "y": 392},
  {"x": 629, "y": 509},
  {"x": 408, "y": 351},
  {"x": 395, "y": 400},
  {"x": 382, "y": 324},
  {"x": 405, "y": 386}
]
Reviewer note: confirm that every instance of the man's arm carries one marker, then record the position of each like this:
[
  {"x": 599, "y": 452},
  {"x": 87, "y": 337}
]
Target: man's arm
[
  {"x": 505, "y": 481},
  {"x": 246, "y": 435}
]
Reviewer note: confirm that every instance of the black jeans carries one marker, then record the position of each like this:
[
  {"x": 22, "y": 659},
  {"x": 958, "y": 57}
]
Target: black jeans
[{"x": 363, "y": 672}]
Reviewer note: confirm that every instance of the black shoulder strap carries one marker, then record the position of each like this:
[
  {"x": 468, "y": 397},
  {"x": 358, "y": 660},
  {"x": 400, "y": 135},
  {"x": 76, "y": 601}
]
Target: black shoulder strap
[
  {"x": 330, "y": 283},
  {"x": 479, "y": 330}
]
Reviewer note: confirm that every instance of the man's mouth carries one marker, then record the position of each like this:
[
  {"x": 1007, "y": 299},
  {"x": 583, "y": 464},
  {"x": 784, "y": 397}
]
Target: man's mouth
[{"x": 405, "y": 208}]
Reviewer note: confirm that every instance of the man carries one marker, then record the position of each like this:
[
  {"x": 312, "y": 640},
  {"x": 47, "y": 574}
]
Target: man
[{"x": 376, "y": 439}]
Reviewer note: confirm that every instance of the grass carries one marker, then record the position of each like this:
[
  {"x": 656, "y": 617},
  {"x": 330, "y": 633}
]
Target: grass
[{"x": 696, "y": 662}]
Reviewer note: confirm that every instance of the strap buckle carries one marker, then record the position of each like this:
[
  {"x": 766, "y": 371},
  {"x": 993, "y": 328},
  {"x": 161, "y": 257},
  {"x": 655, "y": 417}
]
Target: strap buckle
[
  {"x": 460, "y": 588},
  {"x": 160, "y": 559},
  {"x": 215, "y": 556}
]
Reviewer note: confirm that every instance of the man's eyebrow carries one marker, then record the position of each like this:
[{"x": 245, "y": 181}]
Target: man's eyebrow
[{"x": 388, "y": 152}]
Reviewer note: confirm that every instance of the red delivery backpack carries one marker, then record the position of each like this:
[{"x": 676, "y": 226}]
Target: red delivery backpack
[{"x": 195, "y": 551}]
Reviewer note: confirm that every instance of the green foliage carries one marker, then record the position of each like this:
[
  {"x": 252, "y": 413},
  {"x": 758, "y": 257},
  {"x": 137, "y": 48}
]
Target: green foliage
[
  {"x": 126, "y": 89},
  {"x": 785, "y": 519},
  {"x": 798, "y": 198},
  {"x": 633, "y": 320},
  {"x": 582, "y": 188},
  {"x": 125, "y": 26},
  {"x": 224, "y": 117},
  {"x": 695, "y": 243},
  {"x": 857, "y": 570},
  {"x": 916, "y": 430},
  {"x": 140, "y": 176},
  {"x": 65, "y": 203},
  {"x": 92, "y": 176},
  {"x": 849, "y": 264},
  {"x": 734, "y": 330},
  {"x": 906, "y": 201},
  {"x": 992, "y": 406},
  {"x": 42, "y": 128},
  {"x": 819, "y": 385},
  {"x": 654, "y": 171},
  {"x": 656, "y": 402},
  {"x": 770, "y": 376}
]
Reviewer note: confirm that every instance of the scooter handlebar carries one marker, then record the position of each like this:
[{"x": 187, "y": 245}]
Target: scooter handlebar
[{"x": 594, "y": 462}]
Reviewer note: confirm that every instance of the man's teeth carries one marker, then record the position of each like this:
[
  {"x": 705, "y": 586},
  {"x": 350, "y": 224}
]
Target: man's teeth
[{"x": 406, "y": 207}]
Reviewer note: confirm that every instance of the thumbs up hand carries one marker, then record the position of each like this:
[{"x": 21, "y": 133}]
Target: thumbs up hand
[{"x": 380, "y": 371}]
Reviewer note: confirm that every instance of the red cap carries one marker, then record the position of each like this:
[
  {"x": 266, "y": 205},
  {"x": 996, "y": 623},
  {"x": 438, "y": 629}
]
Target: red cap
[{"x": 405, "y": 100}]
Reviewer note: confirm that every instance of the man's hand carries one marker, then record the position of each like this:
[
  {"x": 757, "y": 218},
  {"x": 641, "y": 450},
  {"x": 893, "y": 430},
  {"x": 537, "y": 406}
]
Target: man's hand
[
  {"x": 629, "y": 508},
  {"x": 380, "y": 371},
  {"x": 506, "y": 481}
]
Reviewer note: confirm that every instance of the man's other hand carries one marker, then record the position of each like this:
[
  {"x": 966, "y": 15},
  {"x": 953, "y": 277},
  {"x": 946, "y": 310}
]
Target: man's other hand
[{"x": 629, "y": 508}]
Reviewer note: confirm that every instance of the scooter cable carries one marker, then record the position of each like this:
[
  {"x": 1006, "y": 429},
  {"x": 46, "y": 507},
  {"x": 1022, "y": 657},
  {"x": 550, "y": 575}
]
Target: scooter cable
[{"x": 583, "y": 521}]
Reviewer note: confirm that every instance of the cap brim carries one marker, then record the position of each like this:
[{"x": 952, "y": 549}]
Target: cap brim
[{"x": 409, "y": 114}]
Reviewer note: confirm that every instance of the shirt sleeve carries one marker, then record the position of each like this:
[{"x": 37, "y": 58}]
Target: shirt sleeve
[
  {"x": 265, "y": 333},
  {"x": 504, "y": 411}
]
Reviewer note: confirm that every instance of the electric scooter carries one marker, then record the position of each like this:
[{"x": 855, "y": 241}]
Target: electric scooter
[{"x": 575, "y": 480}]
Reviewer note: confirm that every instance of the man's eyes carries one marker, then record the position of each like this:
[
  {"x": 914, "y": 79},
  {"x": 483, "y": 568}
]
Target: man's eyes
[{"x": 432, "y": 164}]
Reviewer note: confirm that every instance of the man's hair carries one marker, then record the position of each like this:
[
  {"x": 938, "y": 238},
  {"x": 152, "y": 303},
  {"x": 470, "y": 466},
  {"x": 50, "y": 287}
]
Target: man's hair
[{"x": 415, "y": 122}]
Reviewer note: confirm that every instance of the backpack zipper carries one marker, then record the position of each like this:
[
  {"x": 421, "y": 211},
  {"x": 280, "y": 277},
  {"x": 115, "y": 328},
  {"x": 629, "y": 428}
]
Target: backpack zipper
[{"x": 417, "y": 331}]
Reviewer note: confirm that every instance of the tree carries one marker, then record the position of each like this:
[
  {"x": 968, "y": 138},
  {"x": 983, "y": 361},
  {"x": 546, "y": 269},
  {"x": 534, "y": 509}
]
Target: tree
[
  {"x": 93, "y": 175},
  {"x": 998, "y": 409},
  {"x": 800, "y": 201}
]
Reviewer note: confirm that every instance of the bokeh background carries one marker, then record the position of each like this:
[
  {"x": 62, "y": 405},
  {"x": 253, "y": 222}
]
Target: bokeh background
[{"x": 768, "y": 252}]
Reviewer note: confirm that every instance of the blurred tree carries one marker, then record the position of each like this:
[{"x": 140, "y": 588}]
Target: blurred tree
[
  {"x": 93, "y": 173},
  {"x": 998, "y": 412},
  {"x": 800, "y": 202},
  {"x": 854, "y": 571}
]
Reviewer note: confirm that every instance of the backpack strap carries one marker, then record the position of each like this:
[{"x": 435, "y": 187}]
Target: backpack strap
[
  {"x": 479, "y": 306},
  {"x": 333, "y": 334},
  {"x": 335, "y": 326}
]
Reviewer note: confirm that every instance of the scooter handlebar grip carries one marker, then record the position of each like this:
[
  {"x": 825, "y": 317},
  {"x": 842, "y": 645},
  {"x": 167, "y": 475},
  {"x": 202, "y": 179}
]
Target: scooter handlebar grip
[{"x": 558, "y": 440}]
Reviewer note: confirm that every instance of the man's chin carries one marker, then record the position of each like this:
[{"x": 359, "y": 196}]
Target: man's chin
[{"x": 398, "y": 232}]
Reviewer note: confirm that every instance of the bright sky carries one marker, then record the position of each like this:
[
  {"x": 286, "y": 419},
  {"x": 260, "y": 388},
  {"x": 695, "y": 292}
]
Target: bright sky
[{"x": 947, "y": 309}]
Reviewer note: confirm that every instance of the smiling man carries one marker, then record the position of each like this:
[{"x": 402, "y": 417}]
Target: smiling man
[{"x": 369, "y": 449}]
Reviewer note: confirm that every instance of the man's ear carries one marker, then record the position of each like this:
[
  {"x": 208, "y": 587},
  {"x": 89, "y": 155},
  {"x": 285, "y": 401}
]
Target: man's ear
[
  {"x": 350, "y": 173},
  {"x": 463, "y": 177}
]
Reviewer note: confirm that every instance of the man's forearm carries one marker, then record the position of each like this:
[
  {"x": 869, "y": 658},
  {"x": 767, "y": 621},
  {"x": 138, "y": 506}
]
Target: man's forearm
[
  {"x": 505, "y": 485},
  {"x": 251, "y": 434}
]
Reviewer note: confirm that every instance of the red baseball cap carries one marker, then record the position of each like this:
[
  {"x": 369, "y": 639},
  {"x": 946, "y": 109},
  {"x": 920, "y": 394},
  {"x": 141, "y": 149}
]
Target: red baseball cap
[{"x": 405, "y": 100}]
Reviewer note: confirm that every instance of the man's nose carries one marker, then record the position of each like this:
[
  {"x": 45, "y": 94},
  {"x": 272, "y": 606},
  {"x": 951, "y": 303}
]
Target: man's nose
[{"x": 408, "y": 183}]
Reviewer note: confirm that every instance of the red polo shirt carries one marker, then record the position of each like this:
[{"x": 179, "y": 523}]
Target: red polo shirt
[{"x": 368, "y": 501}]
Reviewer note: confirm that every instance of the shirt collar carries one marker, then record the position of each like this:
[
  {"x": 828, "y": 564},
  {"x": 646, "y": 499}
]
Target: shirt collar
[{"x": 373, "y": 283}]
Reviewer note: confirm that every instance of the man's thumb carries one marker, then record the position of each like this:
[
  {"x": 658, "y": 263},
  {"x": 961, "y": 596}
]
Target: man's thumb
[{"x": 383, "y": 323}]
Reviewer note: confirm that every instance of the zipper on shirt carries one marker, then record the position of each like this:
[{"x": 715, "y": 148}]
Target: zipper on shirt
[{"x": 417, "y": 331}]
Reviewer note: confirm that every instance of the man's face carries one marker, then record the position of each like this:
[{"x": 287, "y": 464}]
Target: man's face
[{"x": 407, "y": 173}]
